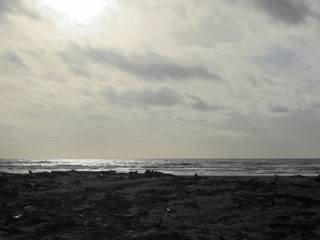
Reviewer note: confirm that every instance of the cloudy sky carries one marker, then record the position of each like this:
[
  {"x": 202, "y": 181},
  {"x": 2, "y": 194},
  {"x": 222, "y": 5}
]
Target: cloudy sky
[{"x": 160, "y": 78}]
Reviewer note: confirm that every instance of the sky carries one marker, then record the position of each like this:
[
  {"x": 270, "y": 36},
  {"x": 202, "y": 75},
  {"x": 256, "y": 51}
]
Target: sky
[{"x": 160, "y": 78}]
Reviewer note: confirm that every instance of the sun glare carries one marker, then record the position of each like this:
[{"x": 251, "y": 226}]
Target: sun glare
[{"x": 78, "y": 11}]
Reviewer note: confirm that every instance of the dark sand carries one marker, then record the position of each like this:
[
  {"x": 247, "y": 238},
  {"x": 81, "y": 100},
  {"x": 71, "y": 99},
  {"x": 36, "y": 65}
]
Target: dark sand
[{"x": 106, "y": 205}]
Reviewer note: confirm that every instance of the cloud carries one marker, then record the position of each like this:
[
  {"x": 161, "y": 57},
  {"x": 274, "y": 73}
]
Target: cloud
[
  {"x": 98, "y": 117},
  {"x": 147, "y": 66},
  {"x": 166, "y": 71},
  {"x": 165, "y": 96},
  {"x": 162, "y": 97},
  {"x": 200, "y": 105},
  {"x": 13, "y": 58},
  {"x": 15, "y": 7},
  {"x": 293, "y": 133},
  {"x": 211, "y": 30},
  {"x": 279, "y": 109},
  {"x": 9, "y": 6},
  {"x": 278, "y": 57},
  {"x": 286, "y": 11}
]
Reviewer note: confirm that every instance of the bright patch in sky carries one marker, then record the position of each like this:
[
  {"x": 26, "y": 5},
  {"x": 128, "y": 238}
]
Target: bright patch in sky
[{"x": 78, "y": 11}]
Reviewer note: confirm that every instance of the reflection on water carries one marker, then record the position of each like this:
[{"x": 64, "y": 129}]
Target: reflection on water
[{"x": 173, "y": 166}]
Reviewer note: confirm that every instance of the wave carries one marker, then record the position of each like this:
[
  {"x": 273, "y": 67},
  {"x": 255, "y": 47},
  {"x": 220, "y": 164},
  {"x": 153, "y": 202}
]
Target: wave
[{"x": 173, "y": 166}]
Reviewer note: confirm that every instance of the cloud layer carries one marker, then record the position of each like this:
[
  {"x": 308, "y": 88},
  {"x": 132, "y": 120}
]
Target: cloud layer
[
  {"x": 161, "y": 79},
  {"x": 148, "y": 66},
  {"x": 287, "y": 11}
]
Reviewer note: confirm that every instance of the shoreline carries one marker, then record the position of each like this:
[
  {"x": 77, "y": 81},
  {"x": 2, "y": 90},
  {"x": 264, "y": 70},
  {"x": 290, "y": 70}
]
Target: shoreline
[
  {"x": 181, "y": 167},
  {"x": 26, "y": 172},
  {"x": 154, "y": 205}
]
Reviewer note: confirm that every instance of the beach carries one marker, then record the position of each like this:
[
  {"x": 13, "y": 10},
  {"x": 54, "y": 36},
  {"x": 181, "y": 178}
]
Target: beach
[{"x": 153, "y": 205}]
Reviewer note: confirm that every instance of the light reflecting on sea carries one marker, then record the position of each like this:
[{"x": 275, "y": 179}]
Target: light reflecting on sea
[{"x": 172, "y": 166}]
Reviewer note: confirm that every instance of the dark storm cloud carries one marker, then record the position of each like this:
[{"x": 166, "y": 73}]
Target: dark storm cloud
[
  {"x": 163, "y": 97},
  {"x": 148, "y": 66},
  {"x": 200, "y": 105},
  {"x": 287, "y": 11}
]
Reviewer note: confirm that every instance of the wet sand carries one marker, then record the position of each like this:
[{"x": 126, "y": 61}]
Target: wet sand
[{"x": 109, "y": 205}]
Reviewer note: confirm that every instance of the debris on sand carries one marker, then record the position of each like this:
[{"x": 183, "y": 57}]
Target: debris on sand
[{"x": 154, "y": 205}]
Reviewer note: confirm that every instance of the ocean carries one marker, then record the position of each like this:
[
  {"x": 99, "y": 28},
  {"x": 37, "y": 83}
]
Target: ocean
[{"x": 209, "y": 167}]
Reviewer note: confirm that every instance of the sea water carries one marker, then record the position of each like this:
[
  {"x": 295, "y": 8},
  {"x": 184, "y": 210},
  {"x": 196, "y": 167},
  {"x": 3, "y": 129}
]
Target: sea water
[{"x": 210, "y": 167}]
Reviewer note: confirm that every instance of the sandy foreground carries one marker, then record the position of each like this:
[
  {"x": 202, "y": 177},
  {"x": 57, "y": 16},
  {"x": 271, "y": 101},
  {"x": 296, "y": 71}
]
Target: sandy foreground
[{"x": 109, "y": 205}]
